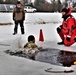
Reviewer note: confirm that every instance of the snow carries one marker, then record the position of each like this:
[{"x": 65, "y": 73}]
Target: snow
[{"x": 12, "y": 65}]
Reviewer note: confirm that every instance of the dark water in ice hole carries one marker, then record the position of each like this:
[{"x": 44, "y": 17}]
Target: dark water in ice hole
[
  {"x": 52, "y": 56},
  {"x": 56, "y": 57}
]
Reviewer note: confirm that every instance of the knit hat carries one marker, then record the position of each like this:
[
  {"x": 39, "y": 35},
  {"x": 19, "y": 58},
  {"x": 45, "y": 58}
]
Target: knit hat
[
  {"x": 65, "y": 10},
  {"x": 31, "y": 38},
  {"x": 18, "y": 2}
]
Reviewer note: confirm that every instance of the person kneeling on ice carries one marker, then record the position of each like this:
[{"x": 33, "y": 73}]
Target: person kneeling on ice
[
  {"x": 31, "y": 48},
  {"x": 67, "y": 31}
]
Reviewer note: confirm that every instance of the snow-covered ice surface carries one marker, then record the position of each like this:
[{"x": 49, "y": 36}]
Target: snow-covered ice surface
[{"x": 12, "y": 65}]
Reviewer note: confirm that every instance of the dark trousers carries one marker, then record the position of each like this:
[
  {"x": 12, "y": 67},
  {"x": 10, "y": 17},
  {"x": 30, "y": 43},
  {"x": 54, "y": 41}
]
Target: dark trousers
[{"x": 21, "y": 25}]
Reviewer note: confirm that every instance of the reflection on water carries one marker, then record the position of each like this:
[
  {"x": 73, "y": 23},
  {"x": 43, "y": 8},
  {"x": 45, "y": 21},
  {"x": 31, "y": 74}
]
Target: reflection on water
[{"x": 56, "y": 57}]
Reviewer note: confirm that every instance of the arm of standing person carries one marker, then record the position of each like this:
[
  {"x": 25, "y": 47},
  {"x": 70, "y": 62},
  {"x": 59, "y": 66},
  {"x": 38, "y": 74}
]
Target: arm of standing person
[
  {"x": 14, "y": 14},
  {"x": 23, "y": 11}
]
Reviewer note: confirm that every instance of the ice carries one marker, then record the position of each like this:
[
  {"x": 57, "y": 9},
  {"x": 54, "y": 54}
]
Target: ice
[{"x": 12, "y": 65}]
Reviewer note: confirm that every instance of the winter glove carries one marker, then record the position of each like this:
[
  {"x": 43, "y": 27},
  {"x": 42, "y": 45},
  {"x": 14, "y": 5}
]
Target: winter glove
[{"x": 68, "y": 38}]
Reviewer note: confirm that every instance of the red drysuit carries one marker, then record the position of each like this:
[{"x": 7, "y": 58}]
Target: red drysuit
[{"x": 67, "y": 30}]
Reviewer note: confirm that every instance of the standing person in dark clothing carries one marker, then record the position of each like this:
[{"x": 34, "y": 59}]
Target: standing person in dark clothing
[{"x": 18, "y": 17}]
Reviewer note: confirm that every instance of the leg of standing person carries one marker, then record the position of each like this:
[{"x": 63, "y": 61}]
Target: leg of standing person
[
  {"x": 22, "y": 27},
  {"x": 15, "y": 28}
]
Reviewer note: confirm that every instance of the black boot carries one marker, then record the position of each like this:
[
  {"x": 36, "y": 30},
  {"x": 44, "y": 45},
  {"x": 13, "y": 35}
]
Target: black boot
[
  {"x": 22, "y": 30},
  {"x": 15, "y": 30},
  {"x": 14, "y": 33},
  {"x": 60, "y": 43}
]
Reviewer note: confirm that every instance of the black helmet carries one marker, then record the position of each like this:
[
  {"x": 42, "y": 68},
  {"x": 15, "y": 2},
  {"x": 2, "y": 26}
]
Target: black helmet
[{"x": 65, "y": 10}]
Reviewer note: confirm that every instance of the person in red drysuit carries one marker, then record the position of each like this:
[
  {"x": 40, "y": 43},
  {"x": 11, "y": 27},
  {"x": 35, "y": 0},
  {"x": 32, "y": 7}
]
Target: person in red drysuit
[{"x": 67, "y": 31}]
